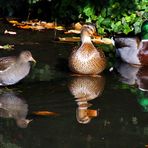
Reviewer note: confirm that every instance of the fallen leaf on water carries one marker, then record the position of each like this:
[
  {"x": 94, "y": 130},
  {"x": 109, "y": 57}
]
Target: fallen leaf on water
[
  {"x": 45, "y": 113},
  {"x": 72, "y": 31},
  {"x": 39, "y": 27},
  {"x": 59, "y": 28},
  {"x": 13, "y": 22},
  {"x": 107, "y": 40},
  {"x": 78, "y": 26},
  {"x": 36, "y": 25},
  {"x": 97, "y": 40},
  {"x": 70, "y": 39},
  {"x": 9, "y": 32},
  {"x": 24, "y": 27},
  {"x": 49, "y": 25},
  {"x": 7, "y": 46}
]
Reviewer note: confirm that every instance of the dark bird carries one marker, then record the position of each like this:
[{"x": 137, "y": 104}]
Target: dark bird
[
  {"x": 134, "y": 50},
  {"x": 15, "y": 68}
]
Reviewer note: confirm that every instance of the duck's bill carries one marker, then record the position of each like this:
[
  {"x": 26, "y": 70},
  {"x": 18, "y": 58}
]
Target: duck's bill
[{"x": 33, "y": 60}]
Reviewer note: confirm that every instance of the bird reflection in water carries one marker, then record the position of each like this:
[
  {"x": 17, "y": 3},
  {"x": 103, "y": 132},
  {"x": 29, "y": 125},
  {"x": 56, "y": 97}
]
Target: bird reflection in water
[
  {"x": 12, "y": 106},
  {"x": 132, "y": 75},
  {"x": 84, "y": 89}
]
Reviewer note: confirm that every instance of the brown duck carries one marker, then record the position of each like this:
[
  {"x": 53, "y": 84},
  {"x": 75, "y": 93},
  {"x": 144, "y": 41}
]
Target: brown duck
[
  {"x": 15, "y": 68},
  {"x": 86, "y": 59}
]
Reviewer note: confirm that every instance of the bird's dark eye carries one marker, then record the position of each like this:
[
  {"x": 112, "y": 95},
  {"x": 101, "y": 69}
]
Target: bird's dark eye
[{"x": 90, "y": 28}]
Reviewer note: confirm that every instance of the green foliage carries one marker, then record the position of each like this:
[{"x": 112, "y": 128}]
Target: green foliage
[
  {"x": 118, "y": 16},
  {"x": 33, "y": 1},
  {"x": 110, "y": 16},
  {"x": 41, "y": 73},
  {"x": 90, "y": 13},
  {"x": 66, "y": 11},
  {"x": 9, "y": 145}
]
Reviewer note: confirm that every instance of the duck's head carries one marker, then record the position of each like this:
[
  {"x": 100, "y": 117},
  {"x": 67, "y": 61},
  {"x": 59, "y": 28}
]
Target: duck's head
[
  {"x": 87, "y": 32},
  {"x": 144, "y": 30},
  {"x": 26, "y": 56}
]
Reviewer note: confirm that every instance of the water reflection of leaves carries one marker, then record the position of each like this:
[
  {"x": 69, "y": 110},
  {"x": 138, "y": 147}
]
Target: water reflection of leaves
[
  {"x": 84, "y": 89},
  {"x": 9, "y": 90},
  {"x": 7, "y": 144},
  {"x": 41, "y": 72}
]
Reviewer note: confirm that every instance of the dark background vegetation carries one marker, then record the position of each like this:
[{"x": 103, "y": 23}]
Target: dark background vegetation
[{"x": 110, "y": 16}]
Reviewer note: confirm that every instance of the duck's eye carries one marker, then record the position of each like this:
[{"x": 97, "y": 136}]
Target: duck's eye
[{"x": 91, "y": 28}]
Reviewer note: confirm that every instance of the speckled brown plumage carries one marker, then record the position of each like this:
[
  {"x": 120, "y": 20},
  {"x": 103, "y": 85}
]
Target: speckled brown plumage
[
  {"x": 87, "y": 87},
  {"x": 86, "y": 59}
]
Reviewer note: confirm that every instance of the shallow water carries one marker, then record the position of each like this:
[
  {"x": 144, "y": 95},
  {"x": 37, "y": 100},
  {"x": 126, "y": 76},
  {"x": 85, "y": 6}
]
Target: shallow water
[{"x": 113, "y": 116}]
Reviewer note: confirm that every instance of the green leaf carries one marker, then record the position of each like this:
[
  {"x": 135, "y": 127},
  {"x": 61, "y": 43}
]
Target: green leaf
[
  {"x": 118, "y": 23},
  {"x": 88, "y": 10},
  {"x": 137, "y": 27},
  {"x": 116, "y": 5},
  {"x": 127, "y": 18},
  {"x": 109, "y": 11},
  {"x": 101, "y": 30},
  {"x": 106, "y": 22},
  {"x": 100, "y": 19},
  {"x": 127, "y": 29},
  {"x": 103, "y": 12}
]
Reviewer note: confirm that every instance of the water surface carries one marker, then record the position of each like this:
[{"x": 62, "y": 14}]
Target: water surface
[{"x": 111, "y": 116}]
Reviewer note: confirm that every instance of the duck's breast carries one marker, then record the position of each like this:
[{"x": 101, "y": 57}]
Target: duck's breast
[{"x": 86, "y": 60}]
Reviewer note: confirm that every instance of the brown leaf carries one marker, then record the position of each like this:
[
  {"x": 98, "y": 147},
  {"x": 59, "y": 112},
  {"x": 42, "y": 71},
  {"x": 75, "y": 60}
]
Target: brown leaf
[{"x": 45, "y": 113}]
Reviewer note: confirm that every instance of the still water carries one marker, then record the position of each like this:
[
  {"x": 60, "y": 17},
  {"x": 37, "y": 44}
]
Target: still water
[{"x": 108, "y": 111}]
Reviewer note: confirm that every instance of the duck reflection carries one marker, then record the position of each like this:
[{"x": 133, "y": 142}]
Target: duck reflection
[
  {"x": 84, "y": 89},
  {"x": 133, "y": 75},
  {"x": 12, "y": 106}
]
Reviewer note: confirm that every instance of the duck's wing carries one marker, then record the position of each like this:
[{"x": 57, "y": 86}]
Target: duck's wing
[
  {"x": 6, "y": 63},
  {"x": 127, "y": 42}
]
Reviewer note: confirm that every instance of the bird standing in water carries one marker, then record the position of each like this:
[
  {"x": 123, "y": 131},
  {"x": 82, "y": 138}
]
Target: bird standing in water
[
  {"x": 15, "y": 68},
  {"x": 87, "y": 59},
  {"x": 134, "y": 50}
]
